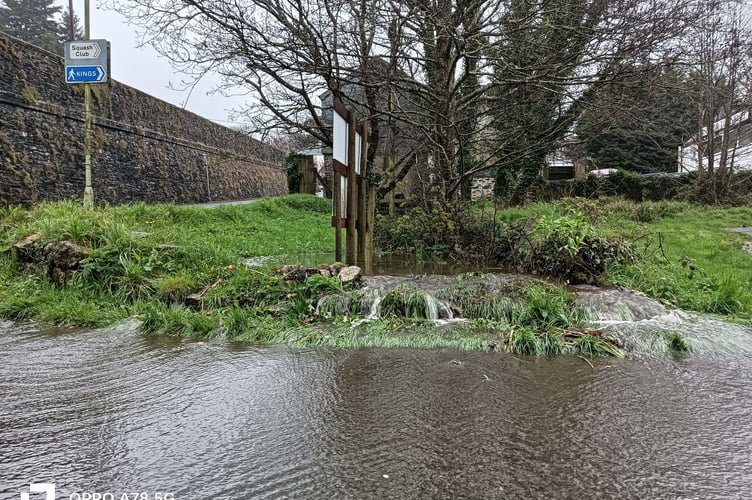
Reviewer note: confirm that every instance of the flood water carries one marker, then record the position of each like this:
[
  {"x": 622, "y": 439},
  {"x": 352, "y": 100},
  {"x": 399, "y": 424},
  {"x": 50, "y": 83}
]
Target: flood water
[{"x": 113, "y": 411}]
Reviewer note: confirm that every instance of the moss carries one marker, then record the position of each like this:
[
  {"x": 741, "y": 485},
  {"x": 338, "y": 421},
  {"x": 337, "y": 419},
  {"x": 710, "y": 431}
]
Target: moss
[
  {"x": 676, "y": 343},
  {"x": 28, "y": 181},
  {"x": 29, "y": 94}
]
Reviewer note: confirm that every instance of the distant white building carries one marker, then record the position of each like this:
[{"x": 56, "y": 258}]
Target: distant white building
[{"x": 739, "y": 150}]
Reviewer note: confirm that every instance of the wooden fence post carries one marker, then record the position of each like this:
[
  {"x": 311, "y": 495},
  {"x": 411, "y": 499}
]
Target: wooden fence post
[
  {"x": 363, "y": 195},
  {"x": 307, "y": 177},
  {"x": 352, "y": 193},
  {"x": 336, "y": 211},
  {"x": 370, "y": 220}
]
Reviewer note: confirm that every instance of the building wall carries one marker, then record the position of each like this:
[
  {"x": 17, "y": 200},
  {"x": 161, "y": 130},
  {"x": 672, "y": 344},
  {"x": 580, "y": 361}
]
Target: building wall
[
  {"x": 143, "y": 149},
  {"x": 740, "y": 145}
]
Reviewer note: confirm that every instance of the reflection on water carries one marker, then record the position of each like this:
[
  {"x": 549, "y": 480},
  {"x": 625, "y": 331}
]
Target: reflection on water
[{"x": 117, "y": 411}]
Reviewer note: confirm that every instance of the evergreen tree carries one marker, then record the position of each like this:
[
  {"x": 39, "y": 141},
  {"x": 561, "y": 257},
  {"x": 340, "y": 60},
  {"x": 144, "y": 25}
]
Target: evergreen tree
[
  {"x": 638, "y": 123},
  {"x": 32, "y": 21},
  {"x": 64, "y": 27}
]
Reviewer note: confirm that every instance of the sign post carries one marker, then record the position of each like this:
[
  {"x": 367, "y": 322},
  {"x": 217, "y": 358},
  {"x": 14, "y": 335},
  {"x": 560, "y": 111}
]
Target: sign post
[
  {"x": 350, "y": 198},
  {"x": 87, "y": 61}
]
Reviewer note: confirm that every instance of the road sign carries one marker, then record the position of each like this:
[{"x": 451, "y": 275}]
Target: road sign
[
  {"x": 83, "y": 74},
  {"x": 87, "y": 61},
  {"x": 84, "y": 50}
]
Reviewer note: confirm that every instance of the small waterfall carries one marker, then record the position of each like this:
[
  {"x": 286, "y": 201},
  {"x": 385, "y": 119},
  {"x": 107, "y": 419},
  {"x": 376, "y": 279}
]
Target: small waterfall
[
  {"x": 375, "y": 309},
  {"x": 432, "y": 307},
  {"x": 643, "y": 324},
  {"x": 371, "y": 302}
]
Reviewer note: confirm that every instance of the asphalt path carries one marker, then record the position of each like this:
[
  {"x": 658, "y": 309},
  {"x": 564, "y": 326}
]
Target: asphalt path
[{"x": 213, "y": 204}]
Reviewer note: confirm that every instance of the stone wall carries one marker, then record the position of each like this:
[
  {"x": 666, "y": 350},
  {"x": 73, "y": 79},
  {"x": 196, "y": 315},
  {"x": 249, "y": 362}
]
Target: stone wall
[{"x": 143, "y": 149}]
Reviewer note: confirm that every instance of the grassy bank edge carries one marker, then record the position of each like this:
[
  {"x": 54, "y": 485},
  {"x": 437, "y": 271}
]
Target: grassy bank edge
[{"x": 148, "y": 259}]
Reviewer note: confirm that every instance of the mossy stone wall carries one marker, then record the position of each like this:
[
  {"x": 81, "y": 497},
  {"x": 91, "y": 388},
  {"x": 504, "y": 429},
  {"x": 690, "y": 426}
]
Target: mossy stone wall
[{"x": 143, "y": 149}]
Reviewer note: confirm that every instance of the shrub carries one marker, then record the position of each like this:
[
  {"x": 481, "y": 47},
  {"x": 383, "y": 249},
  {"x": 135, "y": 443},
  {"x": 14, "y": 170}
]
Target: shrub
[{"x": 623, "y": 183}]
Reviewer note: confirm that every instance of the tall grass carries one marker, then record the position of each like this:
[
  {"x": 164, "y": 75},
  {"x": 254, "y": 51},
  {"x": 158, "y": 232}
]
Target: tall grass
[
  {"x": 145, "y": 260},
  {"x": 687, "y": 259},
  {"x": 150, "y": 252}
]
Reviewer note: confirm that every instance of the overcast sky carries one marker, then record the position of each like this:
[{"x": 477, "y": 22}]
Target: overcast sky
[{"x": 142, "y": 68}]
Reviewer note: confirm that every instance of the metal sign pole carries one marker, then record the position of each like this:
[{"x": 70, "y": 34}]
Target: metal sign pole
[{"x": 88, "y": 190}]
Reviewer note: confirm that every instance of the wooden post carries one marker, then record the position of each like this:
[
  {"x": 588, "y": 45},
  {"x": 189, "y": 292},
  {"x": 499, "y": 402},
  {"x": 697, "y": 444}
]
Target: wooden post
[
  {"x": 363, "y": 196},
  {"x": 336, "y": 211},
  {"x": 352, "y": 183},
  {"x": 341, "y": 116},
  {"x": 370, "y": 219},
  {"x": 307, "y": 177}
]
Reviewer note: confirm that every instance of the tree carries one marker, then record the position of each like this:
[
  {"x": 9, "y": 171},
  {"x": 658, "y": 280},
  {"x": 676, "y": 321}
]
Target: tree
[
  {"x": 722, "y": 71},
  {"x": 451, "y": 87},
  {"x": 637, "y": 123},
  {"x": 32, "y": 21},
  {"x": 64, "y": 28},
  {"x": 559, "y": 56}
]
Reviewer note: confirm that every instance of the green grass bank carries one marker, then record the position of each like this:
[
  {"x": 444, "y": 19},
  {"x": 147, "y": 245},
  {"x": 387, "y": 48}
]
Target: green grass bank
[{"x": 145, "y": 261}]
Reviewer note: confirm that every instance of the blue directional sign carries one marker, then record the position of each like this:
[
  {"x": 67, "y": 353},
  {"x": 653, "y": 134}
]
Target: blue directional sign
[{"x": 83, "y": 74}]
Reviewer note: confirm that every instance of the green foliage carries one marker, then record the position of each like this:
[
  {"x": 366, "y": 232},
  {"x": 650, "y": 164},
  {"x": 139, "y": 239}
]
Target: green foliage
[
  {"x": 619, "y": 209},
  {"x": 333, "y": 306},
  {"x": 64, "y": 27},
  {"x": 513, "y": 182},
  {"x": 524, "y": 341},
  {"x": 318, "y": 284},
  {"x": 32, "y": 21},
  {"x": 623, "y": 184},
  {"x": 293, "y": 172},
  {"x": 593, "y": 345},
  {"x": 174, "y": 288},
  {"x": 478, "y": 302},
  {"x": 164, "y": 319},
  {"x": 547, "y": 306},
  {"x": 553, "y": 342},
  {"x": 676, "y": 343},
  {"x": 565, "y": 247},
  {"x": 567, "y": 233},
  {"x": 163, "y": 253},
  {"x": 307, "y": 203},
  {"x": 687, "y": 259},
  {"x": 637, "y": 122},
  {"x": 405, "y": 302},
  {"x": 433, "y": 235},
  {"x": 547, "y": 240}
]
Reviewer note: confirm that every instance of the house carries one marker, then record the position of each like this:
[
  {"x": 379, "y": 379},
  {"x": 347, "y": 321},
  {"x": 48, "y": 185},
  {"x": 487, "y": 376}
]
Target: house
[{"x": 691, "y": 153}]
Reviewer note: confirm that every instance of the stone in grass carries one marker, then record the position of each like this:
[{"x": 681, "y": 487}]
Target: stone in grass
[
  {"x": 350, "y": 274},
  {"x": 64, "y": 257}
]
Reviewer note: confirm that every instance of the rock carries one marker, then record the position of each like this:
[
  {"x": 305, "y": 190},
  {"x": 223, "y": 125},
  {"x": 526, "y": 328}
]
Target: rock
[
  {"x": 194, "y": 301},
  {"x": 336, "y": 268},
  {"x": 64, "y": 257},
  {"x": 298, "y": 274},
  {"x": 350, "y": 274},
  {"x": 60, "y": 258},
  {"x": 30, "y": 249}
]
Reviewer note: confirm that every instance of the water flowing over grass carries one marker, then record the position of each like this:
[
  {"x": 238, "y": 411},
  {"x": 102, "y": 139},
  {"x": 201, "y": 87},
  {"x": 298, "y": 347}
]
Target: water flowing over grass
[
  {"x": 183, "y": 271},
  {"x": 687, "y": 259}
]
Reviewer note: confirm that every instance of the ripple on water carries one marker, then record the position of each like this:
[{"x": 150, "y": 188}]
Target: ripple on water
[{"x": 113, "y": 410}]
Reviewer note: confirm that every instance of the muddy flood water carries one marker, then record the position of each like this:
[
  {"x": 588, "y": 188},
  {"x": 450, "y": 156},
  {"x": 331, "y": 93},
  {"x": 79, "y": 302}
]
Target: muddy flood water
[{"x": 115, "y": 412}]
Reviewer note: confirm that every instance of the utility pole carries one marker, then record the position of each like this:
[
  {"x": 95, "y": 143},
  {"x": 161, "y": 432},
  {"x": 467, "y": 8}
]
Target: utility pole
[
  {"x": 88, "y": 190},
  {"x": 71, "y": 23}
]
